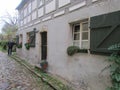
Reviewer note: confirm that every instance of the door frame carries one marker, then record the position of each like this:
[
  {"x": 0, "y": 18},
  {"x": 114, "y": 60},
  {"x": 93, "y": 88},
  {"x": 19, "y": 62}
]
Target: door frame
[{"x": 41, "y": 45}]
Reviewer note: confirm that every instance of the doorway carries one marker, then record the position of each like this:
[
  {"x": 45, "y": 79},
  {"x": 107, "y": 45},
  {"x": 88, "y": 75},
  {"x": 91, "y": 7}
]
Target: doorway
[{"x": 43, "y": 45}]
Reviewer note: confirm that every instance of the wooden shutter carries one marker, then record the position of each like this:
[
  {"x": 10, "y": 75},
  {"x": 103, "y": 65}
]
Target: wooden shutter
[
  {"x": 32, "y": 39},
  {"x": 104, "y": 32}
]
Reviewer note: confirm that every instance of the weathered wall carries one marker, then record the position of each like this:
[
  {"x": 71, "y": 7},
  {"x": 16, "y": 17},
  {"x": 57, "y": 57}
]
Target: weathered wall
[
  {"x": 81, "y": 67},
  {"x": 84, "y": 71}
]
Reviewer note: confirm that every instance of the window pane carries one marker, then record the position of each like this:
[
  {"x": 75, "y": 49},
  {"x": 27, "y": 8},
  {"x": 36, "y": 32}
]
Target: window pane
[
  {"x": 29, "y": 8},
  {"x": 77, "y": 28},
  {"x": 85, "y": 36},
  {"x": 85, "y": 26},
  {"x": 40, "y": 2},
  {"x": 76, "y": 43},
  {"x": 84, "y": 44},
  {"x": 76, "y": 36}
]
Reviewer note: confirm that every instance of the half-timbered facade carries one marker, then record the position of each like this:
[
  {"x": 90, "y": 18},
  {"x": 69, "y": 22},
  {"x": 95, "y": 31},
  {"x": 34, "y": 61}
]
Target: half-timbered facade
[{"x": 51, "y": 26}]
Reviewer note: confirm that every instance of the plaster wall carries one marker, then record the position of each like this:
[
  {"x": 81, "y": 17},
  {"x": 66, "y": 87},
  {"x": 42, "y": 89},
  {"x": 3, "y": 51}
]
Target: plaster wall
[{"x": 84, "y": 70}]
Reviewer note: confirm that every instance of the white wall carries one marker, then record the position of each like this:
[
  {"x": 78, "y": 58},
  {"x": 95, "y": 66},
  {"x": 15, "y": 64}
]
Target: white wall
[
  {"x": 63, "y": 2},
  {"x": 50, "y": 6},
  {"x": 81, "y": 67},
  {"x": 29, "y": 18},
  {"x": 34, "y": 15}
]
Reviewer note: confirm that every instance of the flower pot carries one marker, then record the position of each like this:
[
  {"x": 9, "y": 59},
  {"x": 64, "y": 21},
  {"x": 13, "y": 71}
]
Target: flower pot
[{"x": 44, "y": 65}]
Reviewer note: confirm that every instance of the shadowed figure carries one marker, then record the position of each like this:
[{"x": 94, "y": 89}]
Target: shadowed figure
[{"x": 10, "y": 46}]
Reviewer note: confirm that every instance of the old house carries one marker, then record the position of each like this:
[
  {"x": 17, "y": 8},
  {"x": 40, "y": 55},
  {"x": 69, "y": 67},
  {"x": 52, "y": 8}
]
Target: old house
[{"x": 51, "y": 26}]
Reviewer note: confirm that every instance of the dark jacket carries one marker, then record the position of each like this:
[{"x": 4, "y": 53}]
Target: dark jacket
[{"x": 10, "y": 45}]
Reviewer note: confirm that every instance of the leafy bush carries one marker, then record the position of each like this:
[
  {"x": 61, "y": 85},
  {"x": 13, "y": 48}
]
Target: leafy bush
[
  {"x": 115, "y": 47},
  {"x": 3, "y": 44},
  {"x": 19, "y": 45},
  {"x": 71, "y": 50},
  {"x": 115, "y": 67},
  {"x": 27, "y": 45}
]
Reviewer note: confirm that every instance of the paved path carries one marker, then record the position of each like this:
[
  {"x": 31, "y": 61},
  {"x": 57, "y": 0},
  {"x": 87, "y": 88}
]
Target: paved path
[{"x": 14, "y": 77}]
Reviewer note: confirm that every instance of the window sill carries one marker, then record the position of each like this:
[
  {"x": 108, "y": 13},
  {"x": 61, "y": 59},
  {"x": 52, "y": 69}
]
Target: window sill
[{"x": 83, "y": 51}]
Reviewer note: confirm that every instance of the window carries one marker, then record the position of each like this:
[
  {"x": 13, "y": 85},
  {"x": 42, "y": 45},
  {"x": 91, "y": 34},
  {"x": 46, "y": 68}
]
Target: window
[
  {"x": 25, "y": 12},
  {"x": 34, "y": 4},
  {"x": 21, "y": 14},
  {"x": 34, "y": 15},
  {"x": 40, "y": 2},
  {"x": 81, "y": 35},
  {"x": 50, "y": 7},
  {"x": 31, "y": 38},
  {"x": 29, "y": 8}
]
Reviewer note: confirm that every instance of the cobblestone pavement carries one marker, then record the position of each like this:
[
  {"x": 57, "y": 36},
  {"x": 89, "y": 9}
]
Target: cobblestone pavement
[{"x": 14, "y": 77}]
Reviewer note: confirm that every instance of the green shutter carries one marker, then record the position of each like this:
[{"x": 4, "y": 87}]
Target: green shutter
[
  {"x": 104, "y": 32},
  {"x": 32, "y": 39}
]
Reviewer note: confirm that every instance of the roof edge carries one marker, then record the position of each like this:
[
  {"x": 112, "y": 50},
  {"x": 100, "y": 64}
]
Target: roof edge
[{"x": 22, "y": 3}]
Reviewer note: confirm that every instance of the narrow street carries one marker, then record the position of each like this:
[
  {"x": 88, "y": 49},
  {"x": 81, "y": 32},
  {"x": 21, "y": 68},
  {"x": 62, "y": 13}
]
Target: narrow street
[{"x": 15, "y": 77}]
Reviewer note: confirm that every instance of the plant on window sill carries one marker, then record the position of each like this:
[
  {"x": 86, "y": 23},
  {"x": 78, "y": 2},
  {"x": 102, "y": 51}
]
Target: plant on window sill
[
  {"x": 19, "y": 45},
  {"x": 71, "y": 50},
  {"x": 27, "y": 45}
]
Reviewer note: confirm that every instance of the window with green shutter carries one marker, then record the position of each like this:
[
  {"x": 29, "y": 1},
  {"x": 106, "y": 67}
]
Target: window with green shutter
[{"x": 104, "y": 32}]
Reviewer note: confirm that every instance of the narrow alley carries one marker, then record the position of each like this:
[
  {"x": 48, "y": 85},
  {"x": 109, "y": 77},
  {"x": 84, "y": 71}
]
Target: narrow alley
[{"x": 14, "y": 77}]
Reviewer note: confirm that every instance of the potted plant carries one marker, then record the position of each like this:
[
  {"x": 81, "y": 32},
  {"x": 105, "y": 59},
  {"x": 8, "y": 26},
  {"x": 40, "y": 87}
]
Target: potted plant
[
  {"x": 44, "y": 65},
  {"x": 27, "y": 45},
  {"x": 19, "y": 45},
  {"x": 71, "y": 50}
]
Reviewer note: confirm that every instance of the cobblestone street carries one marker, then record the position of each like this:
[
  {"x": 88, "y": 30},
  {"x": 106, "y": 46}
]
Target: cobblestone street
[{"x": 15, "y": 77}]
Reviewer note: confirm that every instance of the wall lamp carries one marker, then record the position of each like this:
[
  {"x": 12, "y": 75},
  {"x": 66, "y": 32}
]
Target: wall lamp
[{"x": 35, "y": 30}]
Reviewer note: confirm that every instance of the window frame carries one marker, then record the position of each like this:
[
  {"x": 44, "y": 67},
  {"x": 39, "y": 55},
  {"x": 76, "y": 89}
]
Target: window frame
[
  {"x": 30, "y": 36},
  {"x": 34, "y": 5},
  {"x": 40, "y": 3},
  {"x": 29, "y": 8},
  {"x": 81, "y": 34}
]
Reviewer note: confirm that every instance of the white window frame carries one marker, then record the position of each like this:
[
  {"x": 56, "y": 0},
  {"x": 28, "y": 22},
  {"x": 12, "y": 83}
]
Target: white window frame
[{"x": 80, "y": 34}]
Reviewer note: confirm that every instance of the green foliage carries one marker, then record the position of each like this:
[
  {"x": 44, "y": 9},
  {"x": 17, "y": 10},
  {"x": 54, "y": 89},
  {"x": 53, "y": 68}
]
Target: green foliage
[
  {"x": 27, "y": 45},
  {"x": 54, "y": 81},
  {"x": 115, "y": 67},
  {"x": 3, "y": 44},
  {"x": 71, "y": 50},
  {"x": 115, "y": 47},
  {"x": 44, "y": 65},
  {"x": 19, "y": 45}
]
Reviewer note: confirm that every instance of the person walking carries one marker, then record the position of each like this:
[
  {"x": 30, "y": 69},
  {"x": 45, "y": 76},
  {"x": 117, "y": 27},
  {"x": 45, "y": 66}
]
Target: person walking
[{"x": 10, "y": 46}]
